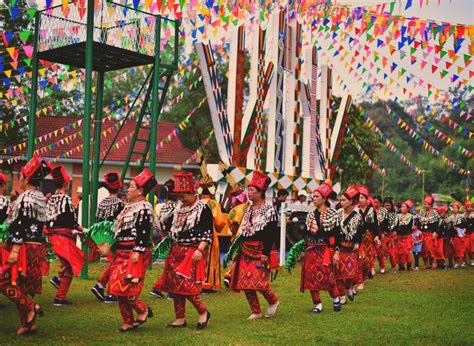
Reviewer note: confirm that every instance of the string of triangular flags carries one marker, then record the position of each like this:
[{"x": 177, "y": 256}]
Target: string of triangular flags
[{"x": 365, "y": 157}]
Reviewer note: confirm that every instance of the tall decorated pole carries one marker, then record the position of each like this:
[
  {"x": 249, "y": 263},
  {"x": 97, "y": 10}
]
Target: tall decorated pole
[
  {"x": 33, "y": 92},
  {"x": 86, "y": 124},
  {"x": 298, "y": 131},
  {"x": 96, "y": 149},
  {"x": 236, "y": 91},
  {"x": 259, "y": 121}
]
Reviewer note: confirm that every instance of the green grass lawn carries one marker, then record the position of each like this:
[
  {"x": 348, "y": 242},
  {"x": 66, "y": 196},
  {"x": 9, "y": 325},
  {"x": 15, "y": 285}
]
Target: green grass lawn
[{"x": 426, "y": 307}]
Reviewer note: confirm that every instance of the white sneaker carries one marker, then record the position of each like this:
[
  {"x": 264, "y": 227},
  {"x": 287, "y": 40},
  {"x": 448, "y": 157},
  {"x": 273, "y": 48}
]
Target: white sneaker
[
  {"x": 416, "y": 268},
  {"x": 463, "y": 265},
  {"x": 456, "y": 266},
  {"x": 472, "y": 263},
  {"x": 272, "y": 309},
  {"x": 382, "y": 271},
  {"x": 373, "y": 271},
  {"x": 255, "y": 316}
]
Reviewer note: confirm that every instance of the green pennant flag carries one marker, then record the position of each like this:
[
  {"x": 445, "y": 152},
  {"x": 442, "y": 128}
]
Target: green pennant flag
[
  {"x": 24, "y": 36},
  {"x": 444, "y": 73},
  {"x": 442, "y": 53},
  {"x": 392, "y": 6},
  {"x": 466, "y": 58},
  {"x": 31, "y": 12},
  {"x": 27, "y": 61}
]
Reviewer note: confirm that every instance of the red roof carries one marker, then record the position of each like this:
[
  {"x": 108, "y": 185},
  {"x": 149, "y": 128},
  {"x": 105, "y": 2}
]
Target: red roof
[{"x": 59, "y": 137}]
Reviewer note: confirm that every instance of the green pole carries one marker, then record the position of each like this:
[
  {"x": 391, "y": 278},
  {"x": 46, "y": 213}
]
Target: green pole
[
  {"x": 34, "y": 91},
  {"x": 155, "y": 102},
  {"x": 86, "y": 123},
  {"x": 422, "y": 186},
  {"x": 96, "y": 151}
]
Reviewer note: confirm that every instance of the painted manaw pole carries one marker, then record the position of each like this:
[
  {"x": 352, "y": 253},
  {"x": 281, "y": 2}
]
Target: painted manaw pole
[
  {"x": 289, "y": 104},
  {"x": 252, "y": 41},
  {"x": 328, "y": 124},
  {"x": 252, "y": 127},
  {"x": 337, "y": 128},
  {"x": 339, "y": 132},
  {"x": 274, "y": 117},
  {"x": 323, "y": 115},
  {"x": 306, "y": 158},
  {"x": 316, "y": 147},
  {"x": 235, "y": 91},
  {"x": 280, "y": 123},
  {"x": 215, "y": 101},
  {"x": 259, "y": 121},
  {"x": 298, "y": 121}
]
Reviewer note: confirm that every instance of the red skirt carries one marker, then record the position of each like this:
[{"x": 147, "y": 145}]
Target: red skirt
[
  {"x": 66, "y": 248},
  {"x": 347, "y": 268},
  {"x": 121, "y": 271},
  {"x": 390, "y": 245},
  {"x": 367, "y": 249},
  {"x": 248, "y": 273},
  {"x": 405, "y": 244},
  {"x": 469, "y": 243},
  {"x": 29, "y": 281},
  {"x": 3, "y": 253},
  {"x": 317, "y": 272},
  {"x": 448, "y": 248},
  {"x": 427, "y": 250},
  {"x": 459, "y": 247},
  {"x": 438, "y": 248},
  {"x": 180, "y": 276}
]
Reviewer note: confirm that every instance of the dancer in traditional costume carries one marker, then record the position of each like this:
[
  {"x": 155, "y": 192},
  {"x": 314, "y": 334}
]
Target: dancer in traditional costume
[
  {"x": 252, "y": 266},
  {"x": 379, "y": 248},
  {"x": 108, "y": 210},
  {"x": 184, "y": 271},
  {"x": 317, "y": 272},
  {"x": 387, "y": 218},
  {"x": 429, "y": 222},
  {"x": 62, "y": 232},
  {"x": 447, "y": 232},
  {"x": 348, "y": 238},
  {"x": 164, "y": 219},
  {"x": 367, "y": 248},
  {"x": 132, "y": 252},
  {"x": 469, "y": 217},
  {"x": 404, "y": 238},
  {"x": 21, "y": 275},
  {"x": 213, "y": 270},
  {"x": 458, "y": 222},
  {"x": 239, "y": 205}
]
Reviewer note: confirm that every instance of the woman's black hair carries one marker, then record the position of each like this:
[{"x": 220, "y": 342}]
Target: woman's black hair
[
  {"x": 378, "y": 198},
  {"x": 389, "y": 200},
  {"x": 150, "y": 184}
]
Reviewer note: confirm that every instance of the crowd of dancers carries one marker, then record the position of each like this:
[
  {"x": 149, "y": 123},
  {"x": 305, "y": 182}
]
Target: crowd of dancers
[{"x": 344, "y": 237}]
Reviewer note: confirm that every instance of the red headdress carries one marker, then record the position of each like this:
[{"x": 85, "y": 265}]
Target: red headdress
[
  {"x": 260, "y": 180},
  {"x": 145, "y": 178},
  {"x": 3, "y": 178},
  {"x": 60, "y": 175},
  {"x": 467, "y": 203},
  {"x": 364, "y": 190},
  {"x": 112, "y": 181},
  {"x": 429, "y": 199},
  {"x": 325, "y": 189},
  {"x": 183, "y": 183},
  {"x": 351, "y": 192},
  {"x": 409, "y": 203},
  {"x": 36, "y": 166}
]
